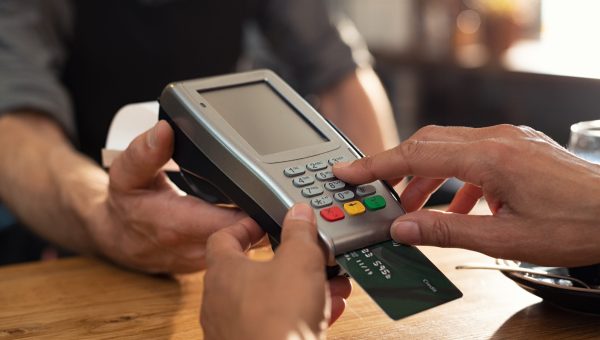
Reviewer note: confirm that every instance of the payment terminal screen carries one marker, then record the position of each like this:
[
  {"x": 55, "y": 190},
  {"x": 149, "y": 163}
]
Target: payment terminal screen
[{"x": 267, "y": 122}]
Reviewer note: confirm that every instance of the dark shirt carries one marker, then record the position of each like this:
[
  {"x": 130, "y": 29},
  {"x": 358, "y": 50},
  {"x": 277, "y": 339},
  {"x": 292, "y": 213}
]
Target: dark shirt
[{"x": 80, "y": 61}]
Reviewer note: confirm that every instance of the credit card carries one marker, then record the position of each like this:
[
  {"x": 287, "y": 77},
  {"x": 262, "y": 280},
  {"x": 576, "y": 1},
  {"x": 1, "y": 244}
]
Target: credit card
[{"x": 399, "y": 278}]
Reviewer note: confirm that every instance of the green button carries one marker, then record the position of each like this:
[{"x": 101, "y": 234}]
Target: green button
[{"x": 374, "y": 202}]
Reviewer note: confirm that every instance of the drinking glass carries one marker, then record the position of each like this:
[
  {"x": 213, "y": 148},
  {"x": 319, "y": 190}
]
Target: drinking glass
[
  {"x": 585, "y": 143},
  {"x": 585, "y": 140}
]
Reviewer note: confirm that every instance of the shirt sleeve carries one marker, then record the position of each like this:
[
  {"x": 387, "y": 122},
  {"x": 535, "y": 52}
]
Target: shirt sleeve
[
  {"x": 320, "y": 52},
  {"x": 32, "y": 54}
]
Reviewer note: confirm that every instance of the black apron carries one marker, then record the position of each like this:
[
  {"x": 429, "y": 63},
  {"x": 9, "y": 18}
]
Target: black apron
[{"x": 126, "y": 51}]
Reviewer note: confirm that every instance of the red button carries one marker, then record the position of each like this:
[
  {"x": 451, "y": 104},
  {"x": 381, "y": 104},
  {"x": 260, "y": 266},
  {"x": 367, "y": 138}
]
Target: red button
[{"x": 332, "y": 214}]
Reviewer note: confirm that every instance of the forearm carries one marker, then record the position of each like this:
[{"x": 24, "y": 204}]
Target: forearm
[
  {"x": 46, "y": 183},
  {"x": 359, "y": 106}
]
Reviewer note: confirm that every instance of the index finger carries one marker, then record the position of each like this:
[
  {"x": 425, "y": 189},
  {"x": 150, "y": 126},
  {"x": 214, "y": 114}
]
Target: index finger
[
  {"x": 232, "y": 242},
  {"x": 431, "y": 159}
]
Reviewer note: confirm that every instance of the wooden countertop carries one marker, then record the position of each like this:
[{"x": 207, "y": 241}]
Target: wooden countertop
[{"x": 83, "y": 298}]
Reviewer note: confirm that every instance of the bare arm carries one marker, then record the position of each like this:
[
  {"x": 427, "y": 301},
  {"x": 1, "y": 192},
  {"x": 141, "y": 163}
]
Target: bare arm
[
  {"x": 359, "y": 106},
  {"x": 38, "y": 164}
]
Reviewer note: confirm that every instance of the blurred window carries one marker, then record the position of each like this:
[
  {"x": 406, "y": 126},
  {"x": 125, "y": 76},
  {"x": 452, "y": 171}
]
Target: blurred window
[{"x": 567, "y": 45}]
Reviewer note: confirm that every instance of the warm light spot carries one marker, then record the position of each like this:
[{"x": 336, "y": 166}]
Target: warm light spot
[
  {"x": 468, "y": 21},
  {"x": 567, "y": 45}
]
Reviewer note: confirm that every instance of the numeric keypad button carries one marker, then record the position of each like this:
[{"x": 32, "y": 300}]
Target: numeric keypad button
[
  {"x": 335, "y": 160},
  {"x": 312, "y": 191},
  {"x": 294, "y": 171},
  {"x": 324, "y": 175},
  {"x": 321, "y": 201},
  {"x": 303, "y": 181},
  {"x": 316, "y": 166},
  {"x": 335, "y": 185},
  {"x": 344, "y": 196},
  {"x": 365, "y": 190}
]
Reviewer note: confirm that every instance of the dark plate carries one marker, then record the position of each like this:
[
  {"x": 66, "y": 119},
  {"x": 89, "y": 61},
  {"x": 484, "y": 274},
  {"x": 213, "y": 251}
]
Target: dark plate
[{"x": 556, "y": 291}]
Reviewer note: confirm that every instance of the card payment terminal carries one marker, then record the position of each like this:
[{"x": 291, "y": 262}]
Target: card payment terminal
[{"x": 250, "y": 139}]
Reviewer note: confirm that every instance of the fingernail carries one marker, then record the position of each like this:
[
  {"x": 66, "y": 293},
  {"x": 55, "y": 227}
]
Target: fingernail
[
  {"x": 406, "y": 232},
  {"x": 340, "y": 165},
  {"x": 151, "y": 137},
  {"x": 302, "y": 212}
]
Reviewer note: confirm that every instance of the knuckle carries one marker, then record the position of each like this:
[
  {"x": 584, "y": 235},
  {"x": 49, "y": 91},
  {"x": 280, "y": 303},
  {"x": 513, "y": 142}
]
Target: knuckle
[
  {"x": 440, "y": 233},
  {"x": 410, "y": 148},
  {"x": 514, "y": 135},
  {"x": 519, "y": 133},
  {"x": 509, "y": 130},
  {"x": 426, "y": 131},
  {"x": 527, "y": 130},
  {"x": 407, "y": 151},
  {"x": 533, "y": 135}
]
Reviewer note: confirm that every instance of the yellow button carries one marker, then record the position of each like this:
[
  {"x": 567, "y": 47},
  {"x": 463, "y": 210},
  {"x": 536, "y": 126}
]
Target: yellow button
[{"x": 354, "y": 208}]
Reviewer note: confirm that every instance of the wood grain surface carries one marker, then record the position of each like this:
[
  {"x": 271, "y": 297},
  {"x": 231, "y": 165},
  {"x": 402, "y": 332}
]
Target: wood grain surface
[{"x": 84, "y": 298}]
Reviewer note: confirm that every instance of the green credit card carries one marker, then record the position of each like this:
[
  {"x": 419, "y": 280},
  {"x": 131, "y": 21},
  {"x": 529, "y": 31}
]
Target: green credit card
[{"x": 400, "y": 279}]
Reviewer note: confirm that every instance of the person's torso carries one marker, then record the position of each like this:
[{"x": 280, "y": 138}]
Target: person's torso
[{"x": 125, "y": 51}]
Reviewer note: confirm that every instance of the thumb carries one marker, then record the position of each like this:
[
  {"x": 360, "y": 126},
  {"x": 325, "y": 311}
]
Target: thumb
[
  {"x": 491, "y": 235},
  {"x": 299, "y": 246},
  {"x": 137, "y": 166}
]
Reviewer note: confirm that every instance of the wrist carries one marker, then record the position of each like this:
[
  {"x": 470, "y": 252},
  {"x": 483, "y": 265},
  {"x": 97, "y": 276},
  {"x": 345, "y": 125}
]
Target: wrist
[{"x": 83, "y": 191}]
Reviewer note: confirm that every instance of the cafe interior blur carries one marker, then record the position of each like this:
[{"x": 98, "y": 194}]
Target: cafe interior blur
[
  {"x": 481, "y": 62},
  {"x": 475, "y": 62}
]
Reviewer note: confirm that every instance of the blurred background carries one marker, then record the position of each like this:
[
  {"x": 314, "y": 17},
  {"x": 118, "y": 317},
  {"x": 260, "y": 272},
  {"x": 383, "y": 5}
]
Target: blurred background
[
  {"x": 464, "y": 62},
  {"x": 480, "y": 62}
]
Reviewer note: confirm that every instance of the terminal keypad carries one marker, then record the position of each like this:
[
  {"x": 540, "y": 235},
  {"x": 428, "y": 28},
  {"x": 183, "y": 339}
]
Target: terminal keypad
[{"x": 316, "y": 182}]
